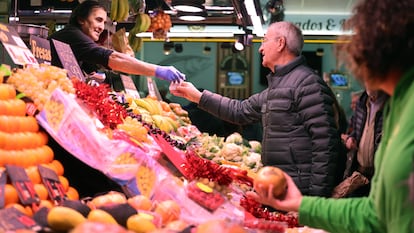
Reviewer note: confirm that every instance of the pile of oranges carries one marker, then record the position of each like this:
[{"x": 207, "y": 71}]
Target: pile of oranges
[{"x": 23, "y": 144}]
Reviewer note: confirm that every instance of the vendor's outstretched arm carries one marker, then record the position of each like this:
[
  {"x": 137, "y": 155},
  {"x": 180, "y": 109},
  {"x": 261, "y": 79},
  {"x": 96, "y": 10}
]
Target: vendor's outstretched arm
[{"x": 130, "y": 65}]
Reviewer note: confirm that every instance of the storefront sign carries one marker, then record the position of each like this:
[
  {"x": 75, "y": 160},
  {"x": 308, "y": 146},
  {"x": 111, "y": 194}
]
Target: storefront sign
[
  {"x": 68, "y": 60},
  {"x": 41, "y": 49},
  {"x": 319, "y": 24},
  {"x": 15, "y": 46}
]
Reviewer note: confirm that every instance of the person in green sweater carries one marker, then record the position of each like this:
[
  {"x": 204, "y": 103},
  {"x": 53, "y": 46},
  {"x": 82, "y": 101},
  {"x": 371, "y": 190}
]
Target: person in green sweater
[{"x": 380, "y": 53}]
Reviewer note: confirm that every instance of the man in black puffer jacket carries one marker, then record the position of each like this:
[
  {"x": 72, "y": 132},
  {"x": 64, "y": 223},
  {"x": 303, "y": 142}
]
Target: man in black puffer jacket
[{"x": 300, "y": 133}]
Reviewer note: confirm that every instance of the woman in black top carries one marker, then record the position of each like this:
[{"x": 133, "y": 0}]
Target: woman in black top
[{"x": 86, "y": 24}]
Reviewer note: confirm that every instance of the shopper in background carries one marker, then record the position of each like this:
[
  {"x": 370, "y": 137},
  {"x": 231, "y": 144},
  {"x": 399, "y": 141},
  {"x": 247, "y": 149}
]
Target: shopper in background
[
  {"x": 362, "y": 143},
  {"x": 297, "y": 112},
  {"x": 354, "y": 100},
  {"x": 381, "y": 54},
  {"x": 86, "y": 24}
]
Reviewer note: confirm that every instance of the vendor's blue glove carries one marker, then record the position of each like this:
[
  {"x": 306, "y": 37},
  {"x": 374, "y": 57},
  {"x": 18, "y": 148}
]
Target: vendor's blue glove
[{"x": 169, "y": 73}]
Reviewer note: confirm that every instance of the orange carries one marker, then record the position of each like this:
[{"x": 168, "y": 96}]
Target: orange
[
  {"x": 58, "y": 167},
  {"x": 46, "y": 203},
  {"x": 41, "y": 191},
  {"x": 72, "y": 193},
  {"x": 10, "y": 194},
  {"x": 33, "y": 174},
  {"x": 46, "y": 154},
  {"x": 27, "y": 210},
  {"x": 65, "y": 183}
]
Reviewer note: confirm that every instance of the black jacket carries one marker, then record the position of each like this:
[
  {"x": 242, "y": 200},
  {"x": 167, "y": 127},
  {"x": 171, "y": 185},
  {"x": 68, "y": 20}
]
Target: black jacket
[{"x": 299, "y": 130}]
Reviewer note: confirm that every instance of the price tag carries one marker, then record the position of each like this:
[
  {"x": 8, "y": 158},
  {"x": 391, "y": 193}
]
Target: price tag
[
  {"x": 11, "y": 220},
  {"x": 129, "y": 86},
  {"x": 153, "y": 89},
  {"x": 68, "y": 60},
  {"x": 41, "y": 49},
  {"x": 53, "y": 185},
  {"x": 22, "y": 183},
  {"x": 3, "y": 181},
  {"x": 15, "y": 46}
]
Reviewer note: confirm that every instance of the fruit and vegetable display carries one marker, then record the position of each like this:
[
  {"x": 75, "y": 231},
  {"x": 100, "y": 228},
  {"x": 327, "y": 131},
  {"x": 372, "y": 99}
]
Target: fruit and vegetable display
[{"x": 176, "y": 178}]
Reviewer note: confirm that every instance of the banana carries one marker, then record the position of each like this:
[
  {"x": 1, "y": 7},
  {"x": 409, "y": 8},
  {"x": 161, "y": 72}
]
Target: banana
[
  {"x": 126, "y": 10},
  {"x": 120, "y": 12},
  {"x": 156, "y": 105},
  {"x": 162, "y": 123},
  {"x": 138, "y": 22},
  {"x": 172, "y": 122},
  {"x": 145, "y": 22},
  {"x": 114, "y": 10},
  {"x": 144, "y": 104}
]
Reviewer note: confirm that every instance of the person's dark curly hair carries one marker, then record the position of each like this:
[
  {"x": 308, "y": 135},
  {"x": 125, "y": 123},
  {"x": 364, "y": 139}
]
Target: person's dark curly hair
[
  {"x": 82, "y": 11},
  {"x": 378, "y": 46}
]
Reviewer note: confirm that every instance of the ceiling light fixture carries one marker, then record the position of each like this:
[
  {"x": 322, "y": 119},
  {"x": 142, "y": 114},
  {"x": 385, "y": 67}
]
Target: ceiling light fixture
[
  {"x": 319, "y": 52},
  {"x": 207, "y": 50},
  {"x": 178, "y": 48},
  {"x": 189, "y": 5},
  {"x": 168, "y": 45},
  {"x": 192, "y": 16},
  {"x": 238, "y": 46}
]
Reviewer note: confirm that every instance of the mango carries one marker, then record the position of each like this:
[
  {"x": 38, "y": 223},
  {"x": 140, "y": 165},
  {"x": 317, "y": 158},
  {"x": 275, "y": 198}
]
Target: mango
[
  {"x": 61, "y": 218},
  {"x": 98, "y": 215},
  {"x": 120, "y": 212}
]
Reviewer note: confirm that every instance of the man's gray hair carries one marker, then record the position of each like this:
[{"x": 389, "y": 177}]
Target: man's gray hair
[{"x": 292, "y": 34}]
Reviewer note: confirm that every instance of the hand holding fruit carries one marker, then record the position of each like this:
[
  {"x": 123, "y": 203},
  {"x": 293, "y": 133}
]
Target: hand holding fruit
[{"x": 275, "y": 188}]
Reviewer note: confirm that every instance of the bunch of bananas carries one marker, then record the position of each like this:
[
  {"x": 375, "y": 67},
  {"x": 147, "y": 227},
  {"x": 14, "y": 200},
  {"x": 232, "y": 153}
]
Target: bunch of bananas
[
  {"x": 142, "y": 23},
  {"x": 119, "y": 10}
]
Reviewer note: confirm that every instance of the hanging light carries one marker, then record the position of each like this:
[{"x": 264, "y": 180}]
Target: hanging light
[
  {"x": 192, "y": 16},
  {"x": 319, "y": 52},
  {"x": 207, "y": 50},
  {"x": 178, "y": 48},
  {"x": 168, "y": 45},
  {"x": 238, "y": 46},
  {"x": 189, "y": 5}
]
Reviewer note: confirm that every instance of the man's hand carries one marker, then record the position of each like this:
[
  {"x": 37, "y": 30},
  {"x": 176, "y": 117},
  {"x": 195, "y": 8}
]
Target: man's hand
[
  {"x": 169, "y": 73},
  {"x": 186, "y": 90},
  {"x": 289, "y": 202}
]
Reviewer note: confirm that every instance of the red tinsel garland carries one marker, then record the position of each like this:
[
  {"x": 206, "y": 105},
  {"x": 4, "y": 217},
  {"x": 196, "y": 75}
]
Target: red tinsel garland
[
  {"x": 198, "y": 167},
  {"x": 257, "y": 210},
  {"x": 96, "y": 98}
]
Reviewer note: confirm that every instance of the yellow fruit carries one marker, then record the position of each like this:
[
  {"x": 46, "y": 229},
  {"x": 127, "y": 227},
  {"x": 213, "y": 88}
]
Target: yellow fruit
[
  {"x": 220, "y": 225},
  {"x": 177, "y": 225},
  {"x": 169, "y": 211},
  {"x": 62, "y": 218},
  {"x": 98, "y": 215},
  {"x": 140, "y": 202},
  {"x": 109, "y": 199},
  {"x": 140, "y": 224}
]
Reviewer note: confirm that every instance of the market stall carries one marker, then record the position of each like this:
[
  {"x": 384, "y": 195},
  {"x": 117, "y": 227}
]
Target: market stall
[{"x": 173, "y": 177}]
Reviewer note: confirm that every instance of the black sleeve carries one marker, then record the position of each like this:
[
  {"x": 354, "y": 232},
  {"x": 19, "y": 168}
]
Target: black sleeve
[{"x": 83, "y": 47}]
